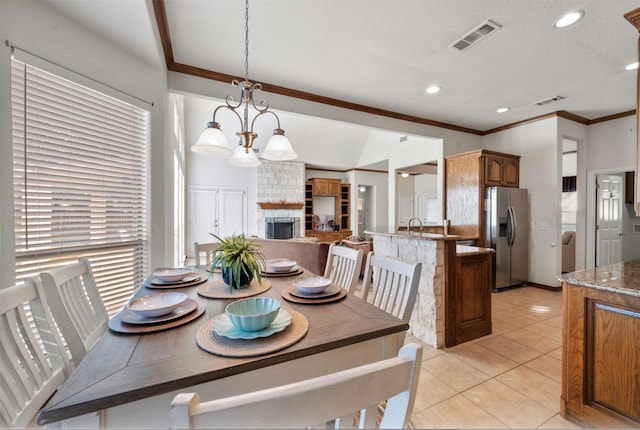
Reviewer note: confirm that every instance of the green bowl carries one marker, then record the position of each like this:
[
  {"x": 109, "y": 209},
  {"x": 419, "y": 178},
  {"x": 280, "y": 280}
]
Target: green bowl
[{"x": 253, "y": 314}]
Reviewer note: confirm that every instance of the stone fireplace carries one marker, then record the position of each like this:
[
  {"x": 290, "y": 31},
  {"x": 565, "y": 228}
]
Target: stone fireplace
[
  {"x": 280, "y": 193},
  {"x": 282, "y": 228}
]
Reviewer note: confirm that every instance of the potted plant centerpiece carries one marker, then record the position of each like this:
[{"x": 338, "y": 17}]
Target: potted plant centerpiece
[{"x": 239, "y": 259}]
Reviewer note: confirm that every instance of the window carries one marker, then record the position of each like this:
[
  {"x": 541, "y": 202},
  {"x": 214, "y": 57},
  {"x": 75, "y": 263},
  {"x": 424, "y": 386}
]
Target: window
[{"x": 80, "y": 172}]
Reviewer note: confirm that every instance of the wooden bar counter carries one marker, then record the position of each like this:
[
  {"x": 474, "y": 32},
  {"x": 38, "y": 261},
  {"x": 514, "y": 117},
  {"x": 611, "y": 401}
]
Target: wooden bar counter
[
  {"x": 454, "y": 296},
  {"x": 601, "y": 346}
]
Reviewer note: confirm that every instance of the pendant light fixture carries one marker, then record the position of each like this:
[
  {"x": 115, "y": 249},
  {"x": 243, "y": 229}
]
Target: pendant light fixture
[{"x": 213, "y": 142}]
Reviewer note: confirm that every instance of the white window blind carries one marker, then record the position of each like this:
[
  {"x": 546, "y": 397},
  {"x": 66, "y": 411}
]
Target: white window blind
[{"x": 80, "y": 171}]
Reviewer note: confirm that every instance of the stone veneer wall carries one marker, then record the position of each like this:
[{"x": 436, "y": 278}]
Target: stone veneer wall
[
  {"x": 427, "y": 319},
  {"x": 280, "y": 181}
]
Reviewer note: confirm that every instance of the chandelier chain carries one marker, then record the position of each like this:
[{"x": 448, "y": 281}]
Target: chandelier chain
[{"x": 246, "y": 41}]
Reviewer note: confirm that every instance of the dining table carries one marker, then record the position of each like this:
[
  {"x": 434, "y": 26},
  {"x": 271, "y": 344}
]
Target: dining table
[{"x": 130, "y": 376}]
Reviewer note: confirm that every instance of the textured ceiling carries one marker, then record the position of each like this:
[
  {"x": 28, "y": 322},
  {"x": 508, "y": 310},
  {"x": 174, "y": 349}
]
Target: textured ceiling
[{"x": 384, "y": 53}]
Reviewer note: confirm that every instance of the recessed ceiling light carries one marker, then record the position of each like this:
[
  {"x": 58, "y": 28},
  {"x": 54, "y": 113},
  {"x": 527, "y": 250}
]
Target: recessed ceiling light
[
  {"x": 433, "y": 89},
  {"x": 404, "y": 174},
  {"x": 502, "y": 109},
  {"x": 569, "y": 19},
  {"x": 632, "y": 66}
]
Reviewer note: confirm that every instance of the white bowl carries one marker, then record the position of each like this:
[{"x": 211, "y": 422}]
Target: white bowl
[
  {"x": 281, "y": 264},
  {"x": 158, "y": 304},
  {"x": 253, "y": 314},
  {"x": 171, "y": 275},
  {"x": 312, "y": 284}
]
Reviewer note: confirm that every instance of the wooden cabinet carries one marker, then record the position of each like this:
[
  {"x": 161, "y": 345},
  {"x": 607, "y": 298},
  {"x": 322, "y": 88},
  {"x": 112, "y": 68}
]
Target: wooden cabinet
[
  {"x": 322, "y": 187},
  {"x": 466, "y": 176},
  {"x": 600, "y": 357},
  {"x": 345, "y": 206},
  {"x": 326, "y": 187},
  {"x": 629, "y": 186},
  {"x": 468, "y": 299},
  {"x": 501, "y": 170}
]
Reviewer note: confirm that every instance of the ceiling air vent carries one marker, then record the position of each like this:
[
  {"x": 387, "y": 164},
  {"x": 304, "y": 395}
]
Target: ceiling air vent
[
  {"x": 549, "y": 100},
  {"x": 475, "y": 35}
]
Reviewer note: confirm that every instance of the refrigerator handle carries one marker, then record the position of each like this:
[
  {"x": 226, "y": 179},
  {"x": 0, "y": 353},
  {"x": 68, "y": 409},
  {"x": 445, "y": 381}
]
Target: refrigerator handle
[{"x": 513, "y": 222}]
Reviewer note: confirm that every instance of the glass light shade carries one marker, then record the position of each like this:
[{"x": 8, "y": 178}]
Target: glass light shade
[
  {"x": 212, "y": 142},
  {"x": 243, "y": 158},
  {"x": 278, "y": 148}
]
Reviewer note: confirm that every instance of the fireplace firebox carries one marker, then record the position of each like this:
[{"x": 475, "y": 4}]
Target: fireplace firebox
[{"x": 282, "y": 228}]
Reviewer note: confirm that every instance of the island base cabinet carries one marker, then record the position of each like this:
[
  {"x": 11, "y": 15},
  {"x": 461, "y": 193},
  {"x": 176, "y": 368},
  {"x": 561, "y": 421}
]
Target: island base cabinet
[
  {"x": 601, "y": 358},
  {"x": 468, "y": 302}
]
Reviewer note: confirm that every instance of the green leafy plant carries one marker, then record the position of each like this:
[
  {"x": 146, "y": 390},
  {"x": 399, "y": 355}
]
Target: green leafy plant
[{"x": 238, "y": 255}]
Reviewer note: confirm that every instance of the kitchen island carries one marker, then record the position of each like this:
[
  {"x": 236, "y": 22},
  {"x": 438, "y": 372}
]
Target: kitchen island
[
  {"x": 601, "y": 346},
  {"x": 454, "y": 297}
]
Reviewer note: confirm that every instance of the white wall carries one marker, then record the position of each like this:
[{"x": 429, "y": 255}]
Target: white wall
[
  {"x": 212, "y": 171},
  {"x": 537, "y": 144},
  {"x": 35, "y": 27},
  {"x": 379, "y": 183},
  {"x": 610, "y": 147}
]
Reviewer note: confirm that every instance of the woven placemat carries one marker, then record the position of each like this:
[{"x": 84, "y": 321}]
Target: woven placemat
[
  {"x": 286, "y": 294},
  {"x": 116, "y": 324},
  {"x": 198, "y": 281},
  {"x": 217, "y": 289},
  {"x": 296, "y": 272},
  {"x": 239, "y": 348}
]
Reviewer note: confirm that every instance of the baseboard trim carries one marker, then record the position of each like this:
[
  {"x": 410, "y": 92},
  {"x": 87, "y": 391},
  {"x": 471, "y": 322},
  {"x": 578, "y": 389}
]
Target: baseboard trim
[{"x": 545, "y": 287}]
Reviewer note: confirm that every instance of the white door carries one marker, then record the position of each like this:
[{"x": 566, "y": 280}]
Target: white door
[
  {"x": 405, "y": 209},
  {"x": 231, "y": 211},
  {"x": 428, "y": 209},
  {"x": 609, "y": 219},
  {"x": 217, "y": 210}
]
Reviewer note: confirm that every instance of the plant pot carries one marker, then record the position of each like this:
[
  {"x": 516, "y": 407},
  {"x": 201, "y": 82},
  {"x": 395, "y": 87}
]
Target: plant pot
[{"x": 245, "y": 279}]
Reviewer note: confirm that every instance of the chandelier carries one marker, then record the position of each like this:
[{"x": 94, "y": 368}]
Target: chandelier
[{"x": 213, "y": 142}]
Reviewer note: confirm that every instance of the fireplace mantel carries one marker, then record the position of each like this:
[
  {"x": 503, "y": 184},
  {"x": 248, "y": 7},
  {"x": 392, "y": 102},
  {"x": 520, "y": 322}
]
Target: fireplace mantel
[{"x": 281, "y": 205}]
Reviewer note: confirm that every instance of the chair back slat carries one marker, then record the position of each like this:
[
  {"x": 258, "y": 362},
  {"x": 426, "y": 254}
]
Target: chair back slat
[
  {"x": 345, "y": 399},
  {"x": 32, "y": 356},
  {"x": 206, "y": 250},
  {"x": 76, "y": 305},
  {"x": 391, "y": 285},
  {"x": 343, "y": 266}
]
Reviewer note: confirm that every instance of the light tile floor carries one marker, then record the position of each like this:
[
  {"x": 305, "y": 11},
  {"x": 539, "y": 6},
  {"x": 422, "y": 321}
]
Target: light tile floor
[{"x": 509, "y": 379}]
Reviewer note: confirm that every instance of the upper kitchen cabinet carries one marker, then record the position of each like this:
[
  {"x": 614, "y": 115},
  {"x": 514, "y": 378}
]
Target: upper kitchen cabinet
[
  {"x": 502, "y": 170},
  {"x": 466, "y": 176}
]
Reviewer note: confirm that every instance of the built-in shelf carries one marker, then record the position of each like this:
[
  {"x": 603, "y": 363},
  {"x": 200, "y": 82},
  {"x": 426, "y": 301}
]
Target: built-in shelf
[{"x": 280, "y": 205}]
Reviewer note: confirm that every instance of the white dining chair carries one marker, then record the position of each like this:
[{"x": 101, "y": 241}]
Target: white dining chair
[
  {"x": 343, "y": 266},
  {"x": 33, "y": 361},
  {"x": 206, "y": 250},
  {"x": 391, "y": 285},
  {"x": 76, "y": 306},
  {"x": 337, "y": 399}
]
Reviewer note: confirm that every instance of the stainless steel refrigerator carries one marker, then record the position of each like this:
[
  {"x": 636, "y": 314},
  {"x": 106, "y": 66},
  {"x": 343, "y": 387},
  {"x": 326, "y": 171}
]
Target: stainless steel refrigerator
[{"x": 507, "y": 231}]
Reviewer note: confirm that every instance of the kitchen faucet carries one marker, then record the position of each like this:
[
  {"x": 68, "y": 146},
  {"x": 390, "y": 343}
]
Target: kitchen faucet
[{"x": 409, "y": 224}]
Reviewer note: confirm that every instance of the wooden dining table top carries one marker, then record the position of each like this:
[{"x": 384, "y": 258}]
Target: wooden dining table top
[{"x": 123, "y": 368}]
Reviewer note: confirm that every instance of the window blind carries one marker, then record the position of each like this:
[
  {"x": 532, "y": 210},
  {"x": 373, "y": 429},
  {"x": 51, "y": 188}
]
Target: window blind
[{"x": 80, "y": 172}]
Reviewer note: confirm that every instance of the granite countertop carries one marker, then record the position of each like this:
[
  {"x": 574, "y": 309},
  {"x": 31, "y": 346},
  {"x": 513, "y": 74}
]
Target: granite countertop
[
  {"x": 462, "y": 250},
  {"x": 416, "y": 235},
  {"x": 623, "y": 278}
]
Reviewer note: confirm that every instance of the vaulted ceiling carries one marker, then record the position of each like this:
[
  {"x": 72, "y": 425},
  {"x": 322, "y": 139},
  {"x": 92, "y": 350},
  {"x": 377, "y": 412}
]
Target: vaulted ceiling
[{"x": 382, "y": 54}]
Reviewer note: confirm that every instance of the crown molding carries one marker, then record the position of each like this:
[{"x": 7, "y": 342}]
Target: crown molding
[{"x": 165, "y": 37}]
